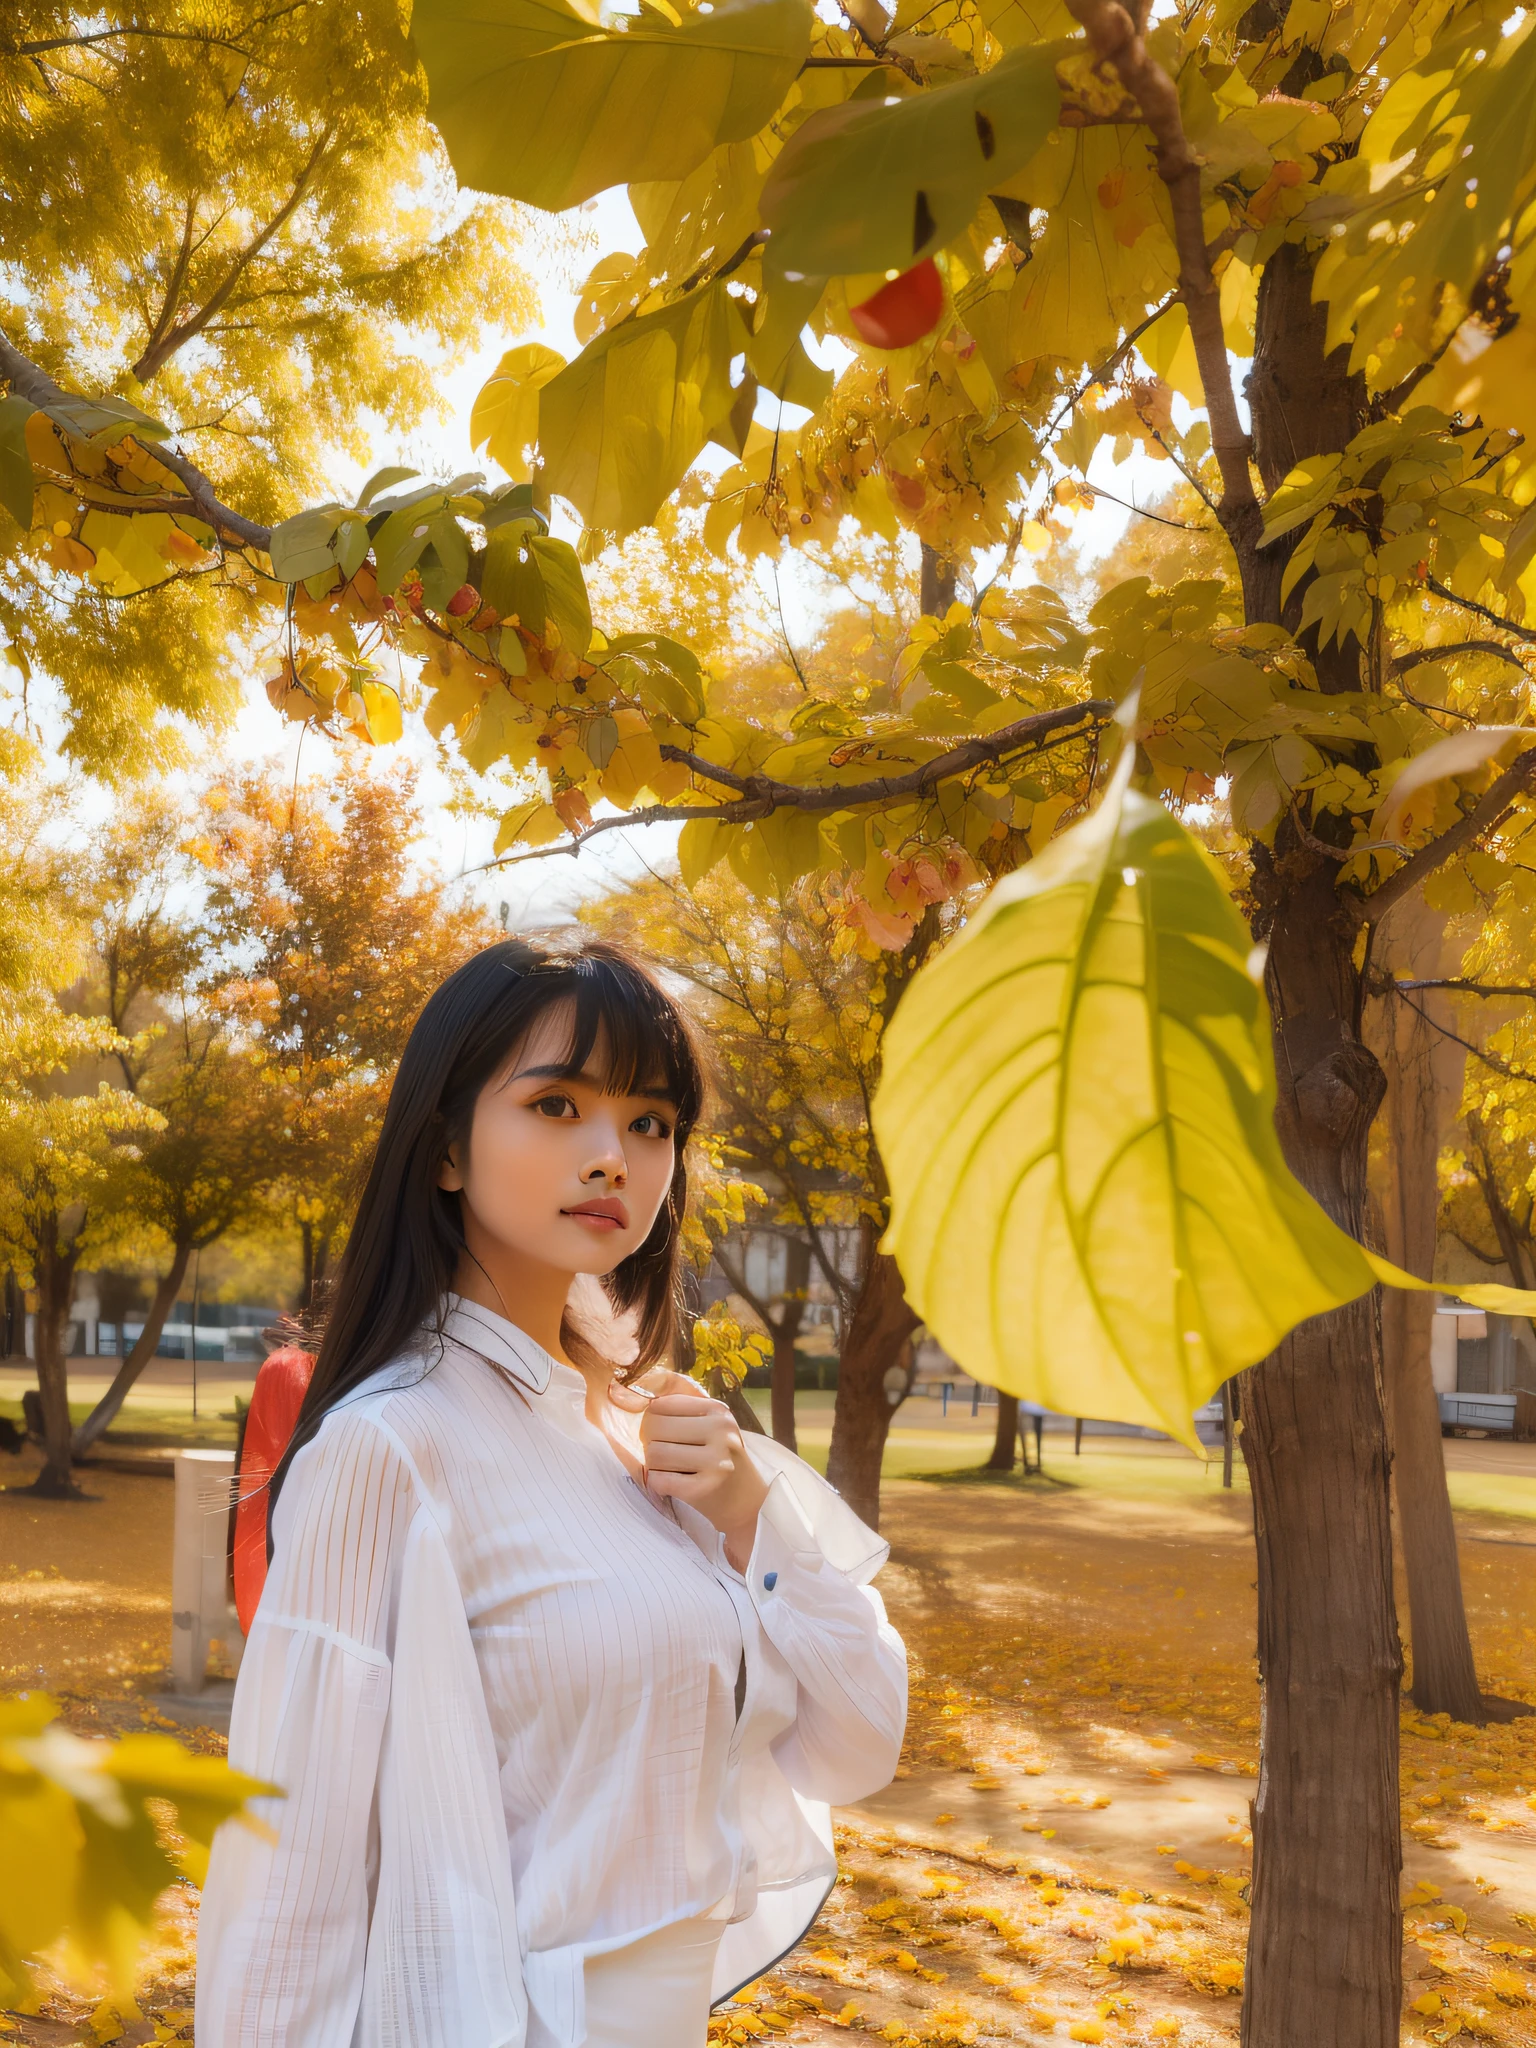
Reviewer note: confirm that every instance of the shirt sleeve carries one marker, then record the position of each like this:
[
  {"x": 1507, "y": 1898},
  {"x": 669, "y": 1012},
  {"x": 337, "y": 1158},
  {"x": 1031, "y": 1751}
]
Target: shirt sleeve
[
  {"x": 285, "y": 1915},
  {"x": 850, "y": 1665}
]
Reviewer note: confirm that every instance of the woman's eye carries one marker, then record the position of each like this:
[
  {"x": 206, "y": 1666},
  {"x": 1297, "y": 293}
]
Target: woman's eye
[
  {"x": 555, "y": 1105},
  {"x": 651, "y": 1126}
]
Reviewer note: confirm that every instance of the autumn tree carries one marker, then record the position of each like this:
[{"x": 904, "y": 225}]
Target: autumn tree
[
  {"x": 1032, "y": 230},
  {"x": 64, "y": 1190},
  {"x": 324, "y": 943},
  {"x": 239, "y": 216},
  {"x": 791, "y": 996}
]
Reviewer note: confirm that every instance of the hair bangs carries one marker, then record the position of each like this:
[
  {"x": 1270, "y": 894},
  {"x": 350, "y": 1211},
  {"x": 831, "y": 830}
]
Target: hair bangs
[{"x": 625, "y": 1024}]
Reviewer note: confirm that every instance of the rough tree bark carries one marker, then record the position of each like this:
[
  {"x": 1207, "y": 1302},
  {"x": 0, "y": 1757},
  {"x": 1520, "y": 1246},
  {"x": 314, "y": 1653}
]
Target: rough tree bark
[
  {"x": 105, "y": 1413},
  {"x": 880, "y": 1325},
  {"x": 54, "y": 1270},
  {"x": 1005, "y": 1443},
  {"x": 1325, "y": 1939}
]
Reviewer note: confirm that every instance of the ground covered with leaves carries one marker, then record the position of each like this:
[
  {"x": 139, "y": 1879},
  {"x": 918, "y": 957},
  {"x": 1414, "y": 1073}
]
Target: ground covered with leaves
[{"x": 1065, "y": 1853}]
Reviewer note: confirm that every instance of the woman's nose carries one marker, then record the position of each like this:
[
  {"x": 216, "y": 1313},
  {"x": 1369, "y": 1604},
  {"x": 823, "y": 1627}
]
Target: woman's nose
[{"x": 607, "y": 1161}]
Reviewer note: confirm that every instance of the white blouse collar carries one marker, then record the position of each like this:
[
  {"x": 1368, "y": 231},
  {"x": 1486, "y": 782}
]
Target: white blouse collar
[{"x": 492, "y": 1336}]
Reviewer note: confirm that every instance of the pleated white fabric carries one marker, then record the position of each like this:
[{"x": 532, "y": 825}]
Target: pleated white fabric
[{"x": 499, "y": 1683}]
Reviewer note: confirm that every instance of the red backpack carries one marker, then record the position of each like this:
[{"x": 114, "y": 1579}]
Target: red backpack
[{"x": 276, "y": 1400}]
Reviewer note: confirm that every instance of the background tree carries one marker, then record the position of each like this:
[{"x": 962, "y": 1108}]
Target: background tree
[
  {"x": 64, "y": 1191},
  {"x": 241, "y": 220},
  {"x": 324, "y": 944},
  {"x": 792, "y": 995}
]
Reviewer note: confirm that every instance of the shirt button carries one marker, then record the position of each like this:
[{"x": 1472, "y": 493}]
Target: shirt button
[{"x": 770, "y": 1580}]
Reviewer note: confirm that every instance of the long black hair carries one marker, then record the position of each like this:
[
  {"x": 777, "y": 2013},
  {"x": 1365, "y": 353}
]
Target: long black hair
[{"x": 408, "y": 1235}]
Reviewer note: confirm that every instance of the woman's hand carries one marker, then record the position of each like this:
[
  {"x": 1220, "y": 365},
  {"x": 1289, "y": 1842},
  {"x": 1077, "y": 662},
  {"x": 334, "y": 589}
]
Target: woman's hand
[{"x": 694, "y": 1452}]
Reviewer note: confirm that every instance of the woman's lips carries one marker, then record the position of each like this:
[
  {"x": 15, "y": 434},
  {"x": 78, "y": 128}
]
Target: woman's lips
[{"x": 603, "y": 1216}]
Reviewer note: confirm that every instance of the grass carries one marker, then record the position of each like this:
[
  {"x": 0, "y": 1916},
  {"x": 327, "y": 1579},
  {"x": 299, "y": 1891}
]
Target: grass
[{"x": 144, "y": 1424}]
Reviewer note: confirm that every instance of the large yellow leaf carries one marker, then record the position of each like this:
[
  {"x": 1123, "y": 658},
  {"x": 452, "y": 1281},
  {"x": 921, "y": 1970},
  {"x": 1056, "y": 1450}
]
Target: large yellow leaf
[
  {"x": 1089, "y": 1203},
  {"x": 620, "y": 425},
  {"x": 550, "y": 102},
  {"x": 505, "y": 419}
]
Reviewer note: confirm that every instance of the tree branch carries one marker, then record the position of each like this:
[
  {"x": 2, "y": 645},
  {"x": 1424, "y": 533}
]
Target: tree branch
[
  {"x": 1117, "y": 42},
  {"x": 28, "y": 381},
  {"x": 1470, "y": 604},
  {"x": 172, "y": 339},
  {"x": 1442, "y": 654},
  {"x": 1484, "y": 815},
  {"x": 1489, "y": 1059},
  {"x": 759, "y": 796},
  {"x": 1470, "y": 988}
]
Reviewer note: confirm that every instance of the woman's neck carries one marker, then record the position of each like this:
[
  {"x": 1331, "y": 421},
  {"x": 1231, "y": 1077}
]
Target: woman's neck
[
  {"x": 531, "y": 1295},
  {"x": 535, "y": 1298}
]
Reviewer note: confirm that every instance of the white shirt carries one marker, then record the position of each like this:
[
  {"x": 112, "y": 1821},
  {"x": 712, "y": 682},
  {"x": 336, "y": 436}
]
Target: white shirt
[{"x": 499, "y": 1682}]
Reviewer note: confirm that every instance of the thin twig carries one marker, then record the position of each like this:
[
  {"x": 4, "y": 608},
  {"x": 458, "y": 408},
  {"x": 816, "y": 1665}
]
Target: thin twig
[
  {"x": 1183, "y": 525},
  {"x": 1110, "y": 364},
  {"x": 1471, "y": 988},
  {"x": 1488, "y": 1059},
  {"x": 1420, "y": 655}
]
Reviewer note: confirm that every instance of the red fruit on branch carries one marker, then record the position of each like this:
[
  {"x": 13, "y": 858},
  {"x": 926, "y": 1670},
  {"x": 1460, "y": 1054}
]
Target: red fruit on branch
[
  {"x": 904, "y": 310},
  {"x": 464, "y": 600}
]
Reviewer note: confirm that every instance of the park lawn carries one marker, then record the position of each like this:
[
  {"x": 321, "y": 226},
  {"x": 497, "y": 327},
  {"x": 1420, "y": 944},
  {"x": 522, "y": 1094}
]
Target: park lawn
[
  {"x": 160, "y": 1416},
  {"x": 1065, "y": 1847}
]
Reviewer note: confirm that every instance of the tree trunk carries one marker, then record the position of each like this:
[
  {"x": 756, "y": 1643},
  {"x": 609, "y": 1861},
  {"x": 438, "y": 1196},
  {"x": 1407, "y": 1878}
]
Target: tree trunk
[
  {"x": 880, "y": 1325},
  {"x": 1325, "y": 1940},
  {"x": 105, "y": 1413},
  {"x": 55, "y": 1277},
  {"x": 936, "y": 588},
  {"x": 785, "y": 1359},
  {"x": 1005, "y": 1443},
  {"x": 785, "y": 1328},
  {"x": 1423, "y": 1069}
]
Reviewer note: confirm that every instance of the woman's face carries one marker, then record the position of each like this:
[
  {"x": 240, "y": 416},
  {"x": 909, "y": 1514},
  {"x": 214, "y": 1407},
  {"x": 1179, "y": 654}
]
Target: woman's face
[{"x": 558, "y": 1171}]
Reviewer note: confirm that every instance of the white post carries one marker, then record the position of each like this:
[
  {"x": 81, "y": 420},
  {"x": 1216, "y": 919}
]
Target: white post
[{"x": 200, "y": 1603}]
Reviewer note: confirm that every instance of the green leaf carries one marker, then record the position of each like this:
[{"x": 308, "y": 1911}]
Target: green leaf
[
  {"x": 1090, "y": 1207},
  {"x": 620, "y": 426},
  {"x": 537, "y": 581},
  {"x": 545, "y": 102},
  {"x": 404, "y": 537},
  {"x": 865, "y": 186},
  {"x": 512, "y": 501},
  {"x": 313, "y": 542},
  {"x": 505, "y": 418},
  {"x": 776, "y": 353},
  {"x": 16, "y": 480},
  {"x": 104, "y": 420},
  {"x": 649, "y": 666}
]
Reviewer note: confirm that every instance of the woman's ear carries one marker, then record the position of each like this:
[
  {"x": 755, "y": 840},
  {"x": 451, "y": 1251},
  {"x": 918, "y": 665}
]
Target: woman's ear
[{"x": 450, "y": 1177}]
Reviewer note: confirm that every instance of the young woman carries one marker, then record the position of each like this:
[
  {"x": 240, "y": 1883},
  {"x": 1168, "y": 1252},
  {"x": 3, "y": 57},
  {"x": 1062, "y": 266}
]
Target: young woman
[{"x": 558, "y": 1672}]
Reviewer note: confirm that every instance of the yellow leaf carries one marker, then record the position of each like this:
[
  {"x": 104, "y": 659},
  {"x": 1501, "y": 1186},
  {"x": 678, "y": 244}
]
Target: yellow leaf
[
  {"x": 505, "y": 418},
  {"x": 1089, "y": 1204}
]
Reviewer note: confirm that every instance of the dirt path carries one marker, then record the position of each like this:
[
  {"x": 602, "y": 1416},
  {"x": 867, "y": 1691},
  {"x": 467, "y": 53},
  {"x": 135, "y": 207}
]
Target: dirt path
[{"x": 1064, "y": 1854}]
